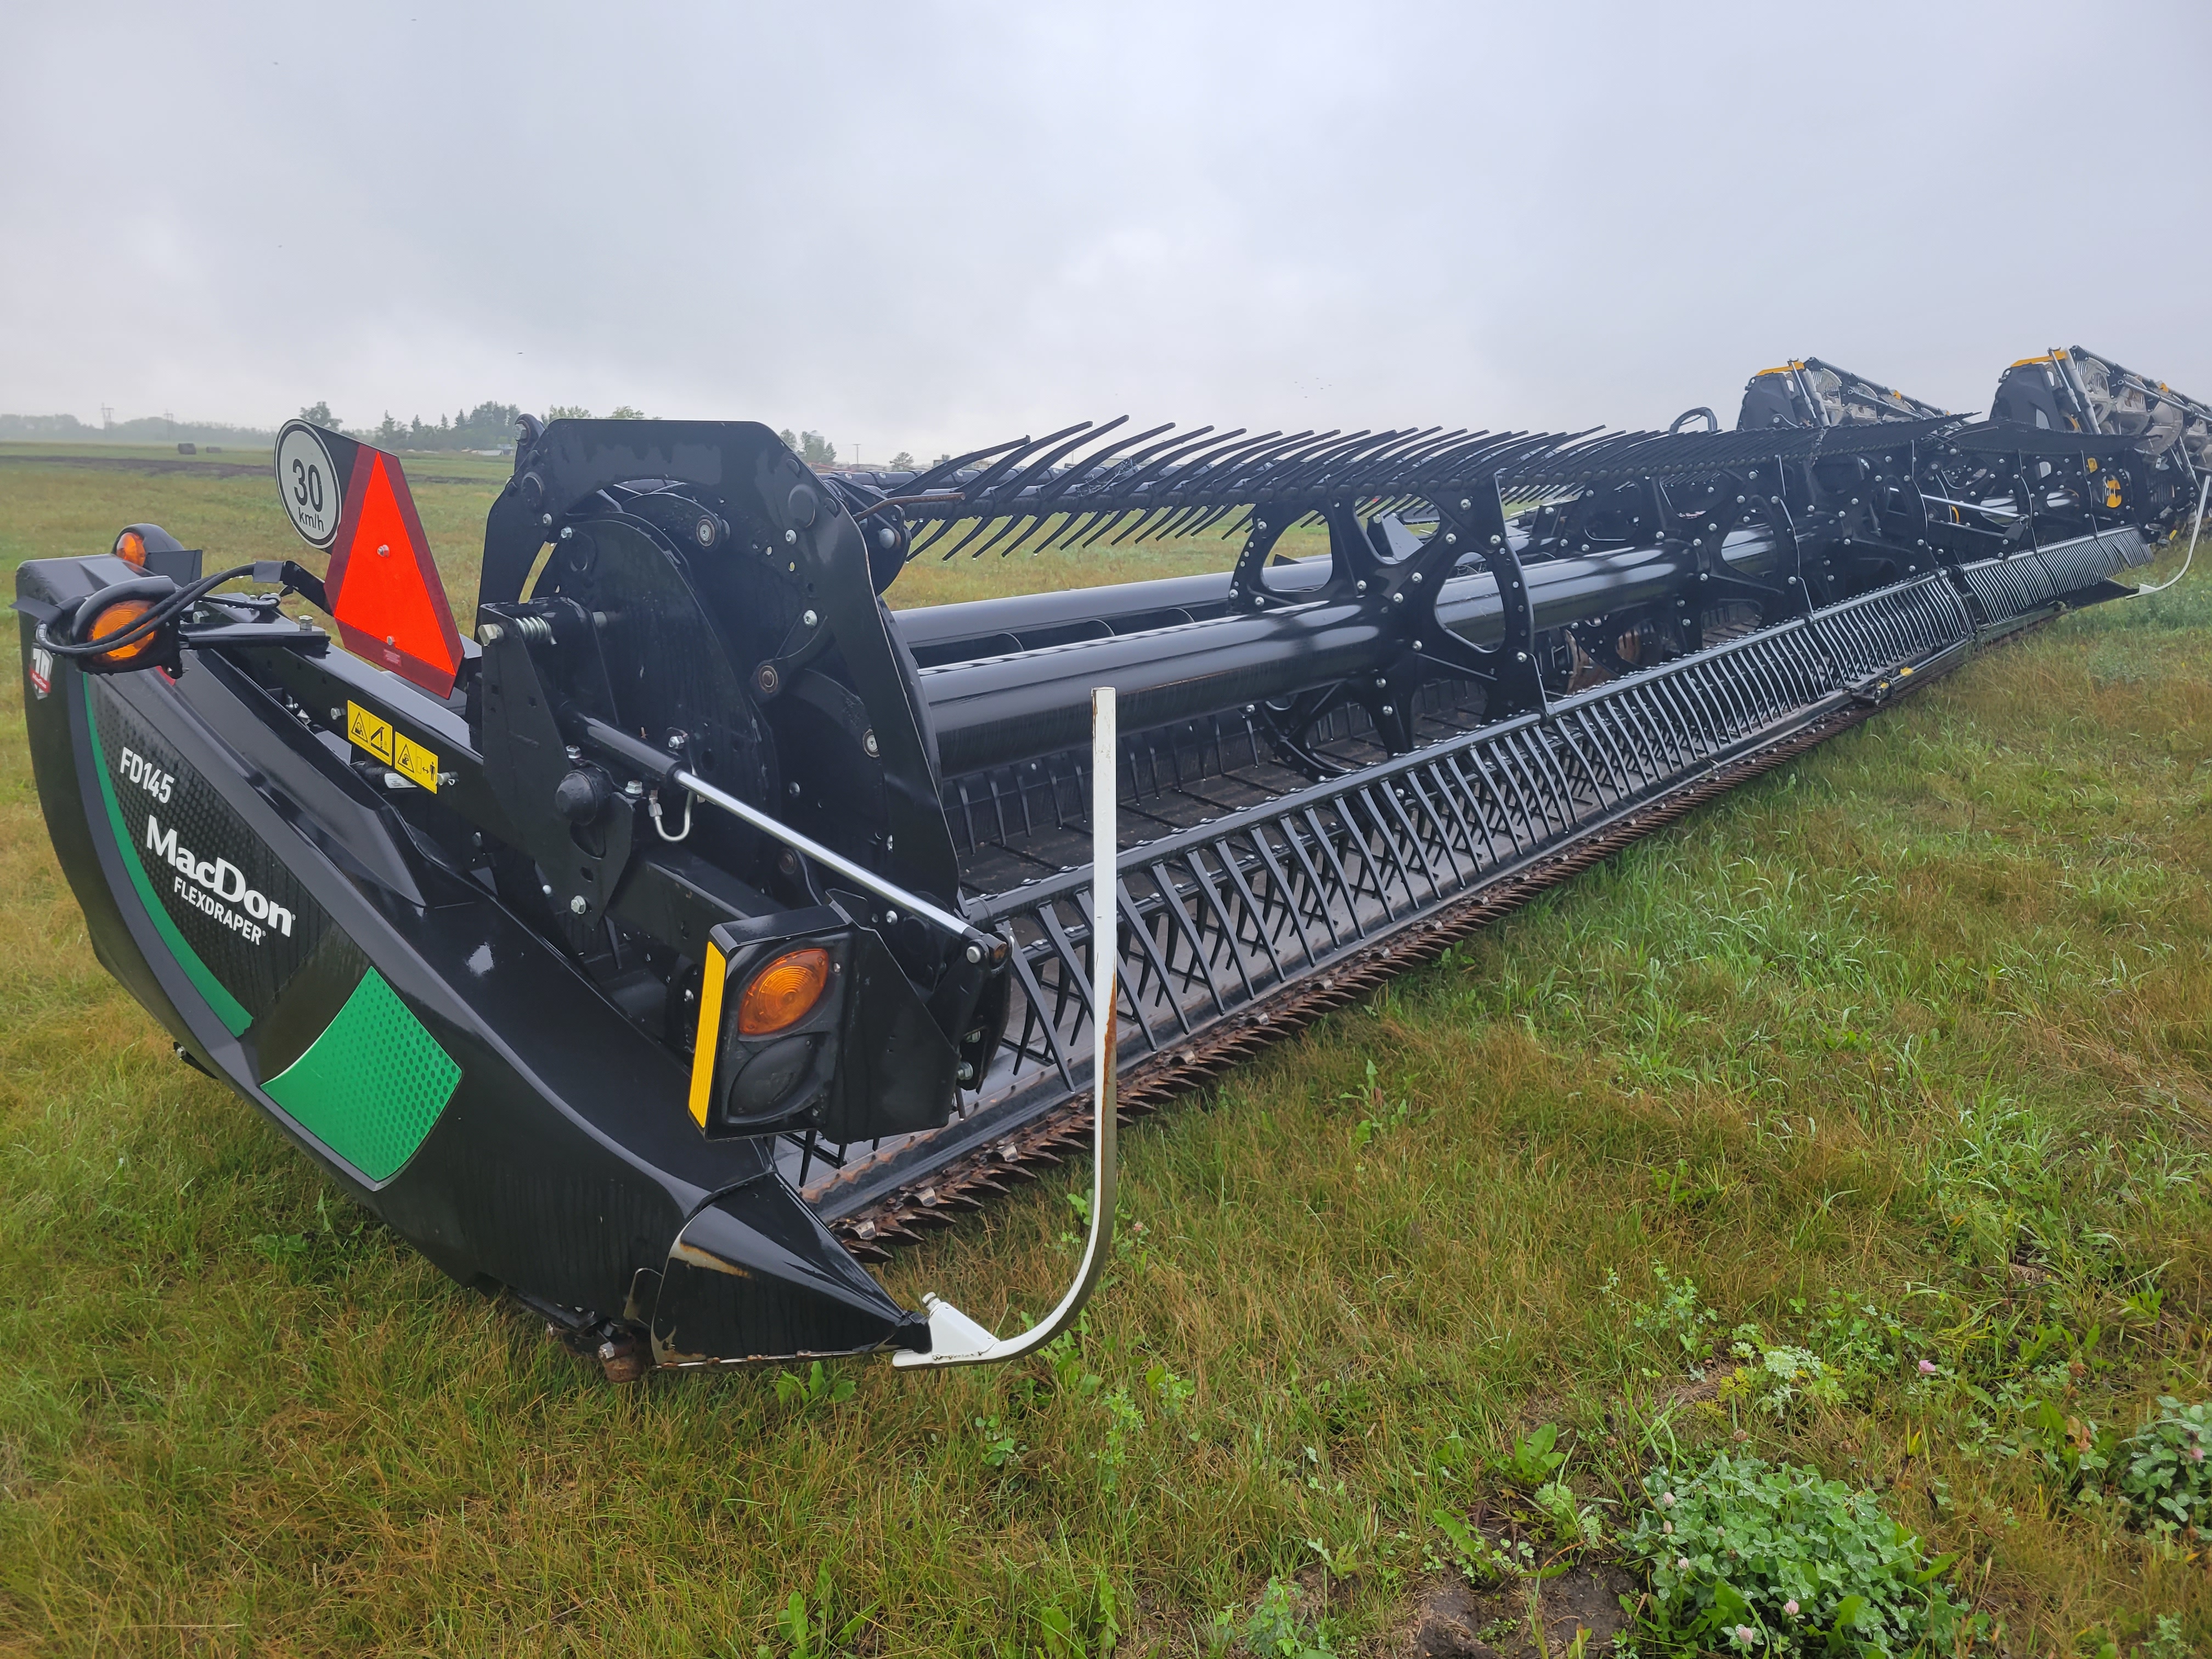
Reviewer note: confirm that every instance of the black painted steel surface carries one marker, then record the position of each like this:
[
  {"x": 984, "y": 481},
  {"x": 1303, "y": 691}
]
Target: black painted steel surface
[{"x": 500, "y": 965}]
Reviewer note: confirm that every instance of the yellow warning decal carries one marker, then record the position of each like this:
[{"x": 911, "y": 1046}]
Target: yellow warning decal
[
  {"x": 414, "y": 762},
  {"x": 397, "y": 751},
  {"x": 371, "y": 732}
]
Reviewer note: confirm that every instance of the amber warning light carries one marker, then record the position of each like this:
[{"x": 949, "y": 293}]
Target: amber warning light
[
  {"x": 783, "y": 992},
  {"x": 116, "y": 619}
]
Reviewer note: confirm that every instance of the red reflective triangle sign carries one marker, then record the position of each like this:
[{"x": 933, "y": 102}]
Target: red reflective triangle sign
[{"x": 383, "y": 589}]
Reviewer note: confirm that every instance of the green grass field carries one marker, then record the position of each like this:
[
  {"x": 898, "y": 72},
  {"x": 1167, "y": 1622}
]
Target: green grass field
[{"x": 1901, "y": 1056}]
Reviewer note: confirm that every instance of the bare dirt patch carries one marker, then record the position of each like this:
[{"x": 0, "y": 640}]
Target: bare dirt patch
[{"x": 1451, "y": 1621}]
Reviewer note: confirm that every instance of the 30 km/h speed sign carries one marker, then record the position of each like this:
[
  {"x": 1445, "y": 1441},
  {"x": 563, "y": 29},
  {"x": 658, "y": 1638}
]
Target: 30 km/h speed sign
[{"x": 313, "y": 488}]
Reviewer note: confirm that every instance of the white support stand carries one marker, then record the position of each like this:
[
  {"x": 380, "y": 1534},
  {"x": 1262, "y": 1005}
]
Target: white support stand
[{"x": 955, "y": 1338}]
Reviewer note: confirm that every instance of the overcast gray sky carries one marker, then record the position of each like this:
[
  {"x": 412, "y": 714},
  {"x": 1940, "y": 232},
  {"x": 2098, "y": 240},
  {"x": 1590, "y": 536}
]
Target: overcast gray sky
[{"x": 921, "y": 226}]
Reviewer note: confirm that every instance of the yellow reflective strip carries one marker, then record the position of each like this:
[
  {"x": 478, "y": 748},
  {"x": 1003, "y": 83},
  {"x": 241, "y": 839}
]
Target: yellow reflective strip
[
  {"x": 2025, "y": 361},
  {"x": 710, "y": 1033}
]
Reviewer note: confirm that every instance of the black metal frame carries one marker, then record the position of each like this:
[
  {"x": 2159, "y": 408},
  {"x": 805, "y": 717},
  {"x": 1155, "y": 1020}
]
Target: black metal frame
[{"x": 1316, "y": 762}]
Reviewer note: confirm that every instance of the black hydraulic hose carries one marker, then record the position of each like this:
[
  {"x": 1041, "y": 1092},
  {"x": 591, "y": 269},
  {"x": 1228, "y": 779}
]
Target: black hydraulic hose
[{"x": 165, "y": 609}]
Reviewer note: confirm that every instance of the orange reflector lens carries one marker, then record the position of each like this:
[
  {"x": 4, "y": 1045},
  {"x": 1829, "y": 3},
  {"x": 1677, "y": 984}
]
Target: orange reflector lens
[
  {"x": 113, "y": 621},
  {"x": 130, "y": 548},
  {"x": 784, "y": 993}
]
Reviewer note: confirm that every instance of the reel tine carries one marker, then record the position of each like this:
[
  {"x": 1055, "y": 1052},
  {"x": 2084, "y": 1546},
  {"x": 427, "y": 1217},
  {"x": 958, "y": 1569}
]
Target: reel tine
[
  {"x": 946, "y": 469},
  {"x": 983, "y": 486}
]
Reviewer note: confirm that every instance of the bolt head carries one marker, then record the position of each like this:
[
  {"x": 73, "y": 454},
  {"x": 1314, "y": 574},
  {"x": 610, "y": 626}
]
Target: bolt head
[
  {"x": 546, "y": 520},
  {"x": 791, "y": 536},
  {"x": 579, "y": 904},
  {"x": 1388, "y": 709},
  {"x": 1450, "y": 539},
  {"x": 568, "y": 532},
  {"x": 810, "y": 618}
]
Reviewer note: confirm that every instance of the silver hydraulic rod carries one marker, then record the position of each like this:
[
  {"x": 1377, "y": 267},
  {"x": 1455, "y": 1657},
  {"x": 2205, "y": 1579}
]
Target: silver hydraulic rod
[
  {"x": 955, "y": 1338},
  {"x": 866, "y": 880}
]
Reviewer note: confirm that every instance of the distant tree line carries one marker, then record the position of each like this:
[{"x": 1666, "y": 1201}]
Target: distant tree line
[
  {"x": 149, "y": 429},
  {"x": 488, "y": 426},
  {"x": 817, "y": 451}
]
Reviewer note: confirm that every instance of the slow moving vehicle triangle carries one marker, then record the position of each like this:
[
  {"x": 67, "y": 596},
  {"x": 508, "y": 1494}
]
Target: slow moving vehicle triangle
[{"x": 384, "y": 590}]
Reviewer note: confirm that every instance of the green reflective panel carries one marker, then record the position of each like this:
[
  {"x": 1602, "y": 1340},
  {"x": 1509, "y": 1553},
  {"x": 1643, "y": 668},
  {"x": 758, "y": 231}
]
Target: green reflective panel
[{"x": 373, "y": 1084}]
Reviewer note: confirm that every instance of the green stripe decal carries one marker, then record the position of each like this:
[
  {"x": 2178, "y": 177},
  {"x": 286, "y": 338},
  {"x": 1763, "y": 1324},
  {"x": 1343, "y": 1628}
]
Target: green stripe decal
[
  {"x": 372, "y": 1085},
  {"x": 227, "y": 1008}
]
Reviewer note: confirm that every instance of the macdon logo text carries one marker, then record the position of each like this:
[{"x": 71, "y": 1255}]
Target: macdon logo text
[{"x": 218, "y": 887}]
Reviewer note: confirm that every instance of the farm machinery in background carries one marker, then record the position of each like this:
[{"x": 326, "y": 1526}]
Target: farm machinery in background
[{"x": 700, "y": 926}]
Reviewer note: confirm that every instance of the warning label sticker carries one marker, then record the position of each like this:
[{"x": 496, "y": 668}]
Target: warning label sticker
[
  {"x": 418, "y": 765},
  {"x": 413, "y": 761},
  {"x": 370, "y": 732}
]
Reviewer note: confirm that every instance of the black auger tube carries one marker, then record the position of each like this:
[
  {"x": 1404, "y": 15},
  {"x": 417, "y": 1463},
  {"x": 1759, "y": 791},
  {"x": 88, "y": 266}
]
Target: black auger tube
[{"x": 995, "y": 710}]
